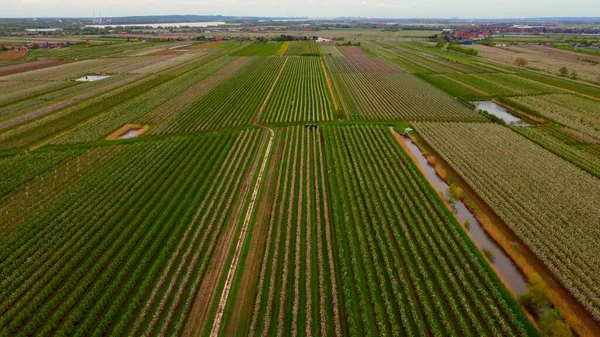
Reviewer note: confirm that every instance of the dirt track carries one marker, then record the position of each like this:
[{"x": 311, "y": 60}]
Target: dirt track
[
  {"x": 335, "y": 104},
  {"x": 238, "y": 250},
  {"x": 242, "y": 312}
]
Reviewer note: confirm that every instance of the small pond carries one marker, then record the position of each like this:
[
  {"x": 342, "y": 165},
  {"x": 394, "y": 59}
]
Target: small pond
[
  {"x": 505, "y": 266},
  {"x": 501, "y": 112},
  {"x": 130, "y": 134},
  {"x": 91, "y": 78}
]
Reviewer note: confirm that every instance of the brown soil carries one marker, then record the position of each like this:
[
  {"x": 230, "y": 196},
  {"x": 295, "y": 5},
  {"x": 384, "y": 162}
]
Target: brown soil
[
  {"x": 246, "y": 293},
  {"x": 28, "y": 66},
  {"x": 352, "y": 51},
  {"x": 12, "y": 55},
  {"x": 208, "y": 45},
  {"x": 335, "y": 103},
  {"x": 127, "y": 127},
  {"x": 578, "y": 318}
]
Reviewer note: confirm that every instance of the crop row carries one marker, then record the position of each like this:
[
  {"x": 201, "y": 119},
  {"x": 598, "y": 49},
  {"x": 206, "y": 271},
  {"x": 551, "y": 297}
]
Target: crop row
[
  {"x": 125, "y": 103},
  {"x": 412, "y": 62},
  {"x": 98, "y": 257},
  {"x": 86, "y": 52},
  {"x": 301, "y": 94},
  {"x": 549, "y": 203},
  {"x": 18, "y": 170},
  {"x": 406, "y": 266},
  {"x": 49, "y": 125},
  {"x": 329, "y": 49},
  {"x": 499, "y": 85},
  {"x": 166, "y": 113},
  {"x": 233, "y": 103},
  {"x": 71, "y": 70},
  {"x": 49, "y": 183},
  {"x": 438, "y": 60},
  {"x": 134, "y": 109},
  {"x": 574, "y": 154},
  {"x": 22, "y": 90},
  {"x": 362, "y": 64},
  {"x": 297, "y": 289},
  {"x": 396, "y": 97},
  {"x": 573, "y": 111},
  {"x": 302, "y": 48},
  {"x": 42, "y": 105},
  {"x": 259, "y": 49}
]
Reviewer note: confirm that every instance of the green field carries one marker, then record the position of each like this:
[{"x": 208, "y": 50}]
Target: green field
[
  {"x": 259, "y": 49},
  {"x": 242, "y": 188}
]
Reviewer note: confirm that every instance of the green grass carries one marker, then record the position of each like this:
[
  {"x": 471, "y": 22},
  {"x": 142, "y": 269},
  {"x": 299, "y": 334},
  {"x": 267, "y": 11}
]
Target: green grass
[{"x": 258, "y": 49}]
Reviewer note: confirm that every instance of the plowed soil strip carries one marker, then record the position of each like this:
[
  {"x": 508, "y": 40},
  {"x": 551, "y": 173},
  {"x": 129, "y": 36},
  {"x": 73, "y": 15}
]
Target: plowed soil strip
[
  {"x": 28, "y": 66},
  {"x": 238, "y": 249}
]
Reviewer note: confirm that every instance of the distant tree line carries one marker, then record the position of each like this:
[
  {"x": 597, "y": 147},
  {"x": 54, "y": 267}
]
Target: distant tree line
[{"x": 462, "y": 50}]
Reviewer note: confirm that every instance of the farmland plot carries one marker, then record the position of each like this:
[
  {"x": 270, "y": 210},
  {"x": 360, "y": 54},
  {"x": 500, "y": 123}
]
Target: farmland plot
[
  {"x": 87, "y": 52},
  {"x": 17, "y": 170},
  {"x": 300, "y": 95},
  {"x": 429, "y": 55},
  {"x": 395, "y": 97},
  {"x": 329, "y": 49},
  {"x": 406, "y": 266},
  {"x": 544, "y": 58},
  {"x": 22, "y": 90},
  {"x": 302, "y": 48},
  {"x": 579, "y": 113},
  {"x": 157, "y": 67},
  {"x": 549, "y": 203},
  {"x": 259, "y": 49},
  {"x": 42, "y": 105},
  {"x": 296, "y": 291},
  {"x": 500, "y": 85},
  {"x": 415, "y": 61},
  {"x": 233, "y": 103},
  {"x": 126, "y": 249},
  {"x": 69, "y": 70},
  {"x": 575, "y": 154},
  {"x": 47, "y": 126},
  {"x": 134, "y": 109},
  {"x": 167, "y": 112},
  {"x": 15, "y": 67},
  {"x": 363, "y": 64}
]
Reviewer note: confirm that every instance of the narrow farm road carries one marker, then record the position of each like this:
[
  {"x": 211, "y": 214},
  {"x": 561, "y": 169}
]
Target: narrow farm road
[
  {"x": 238, "y": 249},
  {"x": 330, "y": 85}
]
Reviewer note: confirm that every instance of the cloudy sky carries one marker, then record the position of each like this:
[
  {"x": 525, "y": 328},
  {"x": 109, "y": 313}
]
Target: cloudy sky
[{"x": 311, "y": 8}]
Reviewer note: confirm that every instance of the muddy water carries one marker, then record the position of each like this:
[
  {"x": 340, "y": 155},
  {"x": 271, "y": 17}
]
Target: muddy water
[
  {"x": 130, "y": 134},
  {"x": 501, "y": 112},
  {"x": 509, "y": 271}
]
